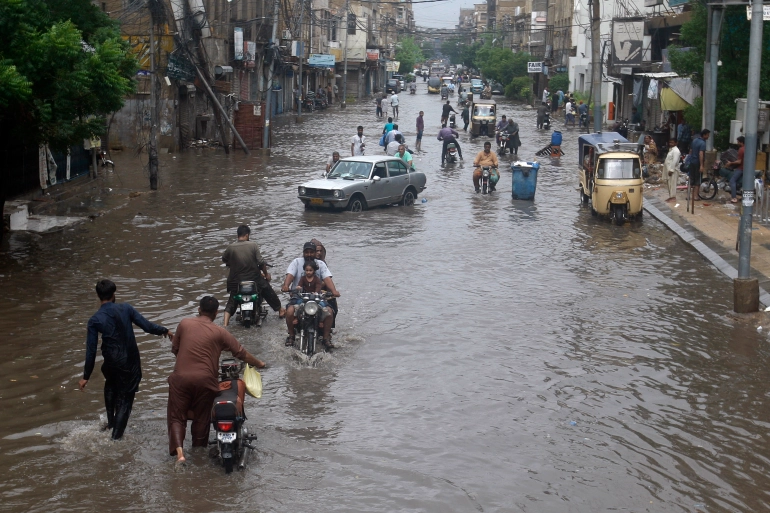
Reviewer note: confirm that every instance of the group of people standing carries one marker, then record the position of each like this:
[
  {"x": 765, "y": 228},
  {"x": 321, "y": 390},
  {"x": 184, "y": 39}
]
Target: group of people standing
[{"x": 197, "y": 343}]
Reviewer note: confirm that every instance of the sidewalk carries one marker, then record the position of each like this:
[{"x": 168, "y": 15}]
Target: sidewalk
[{"x": 713, "y": 231}]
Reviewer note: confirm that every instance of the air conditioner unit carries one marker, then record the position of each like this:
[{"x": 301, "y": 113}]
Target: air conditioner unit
[{"x": 286, "y": 34}]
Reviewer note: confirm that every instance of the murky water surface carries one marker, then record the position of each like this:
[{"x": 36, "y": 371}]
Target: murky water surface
[{"x": 495, "y": 355}]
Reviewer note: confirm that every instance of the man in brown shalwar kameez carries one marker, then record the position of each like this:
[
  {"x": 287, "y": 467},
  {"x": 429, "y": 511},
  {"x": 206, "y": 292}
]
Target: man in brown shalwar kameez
[{"x": 194, "y": 383}]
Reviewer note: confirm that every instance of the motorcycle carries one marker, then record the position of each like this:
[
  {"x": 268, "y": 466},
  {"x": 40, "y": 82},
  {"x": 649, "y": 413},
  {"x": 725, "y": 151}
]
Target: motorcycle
[
  {"x": 444, "y": 94},
  {"x": 451, "y": 153},
  {"x": 502, "y": 142},
  {"x": 228, "y": 416},
  {"x": 412, "y": 89},
  {"x": 308, "y": 315},
  {"x": 320, "y": 102},
  {"x": 452, "y": 123},
  {"x": 547, "y": 121},
  {"x": 248, "y": 305},
  {"x": 485, "y": 180},
  {"x": 583, "y": 119},
  {"x": 308, "y": 103}
]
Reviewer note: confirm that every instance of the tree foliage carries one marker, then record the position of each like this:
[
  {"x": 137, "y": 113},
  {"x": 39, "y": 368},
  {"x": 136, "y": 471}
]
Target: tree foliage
[
  {"x": 687, "y": 60},
  {"x": 408, "y": 54},
  {"x": 63, "y": 66},
  {"x": 559, "y": 81}
]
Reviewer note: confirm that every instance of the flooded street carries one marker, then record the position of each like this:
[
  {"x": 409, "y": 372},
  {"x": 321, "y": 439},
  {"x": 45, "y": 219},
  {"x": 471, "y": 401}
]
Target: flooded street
[{"x": 494, "y": 355}]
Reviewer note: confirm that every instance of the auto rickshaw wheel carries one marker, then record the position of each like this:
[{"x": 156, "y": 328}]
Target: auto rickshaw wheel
[{"x": 583, "y": 196}]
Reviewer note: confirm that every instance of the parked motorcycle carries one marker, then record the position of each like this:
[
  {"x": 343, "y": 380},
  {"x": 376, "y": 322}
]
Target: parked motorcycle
[
  {"x": 308, "y": 103},
  {"x": 502, "y": 142},
  {"x": 452, "y": 123},
  {"x": 228, "y": 416},
  {"x": 451, "y": 153},
  {"x": 248, "y": 305},
  {"x": 308, "y": 315},
  {"x": 547, "y": 121}
]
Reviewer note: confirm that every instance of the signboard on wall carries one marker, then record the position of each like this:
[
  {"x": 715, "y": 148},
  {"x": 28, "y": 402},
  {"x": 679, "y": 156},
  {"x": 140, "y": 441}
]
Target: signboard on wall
[
  {"x": 627, "y": 38},
  {"x": 320, "y": 60},
  {"x": 534, "y": 67},
  {"x": 392, "y": 66},
  {"x": 372, "y": 54},
  {"x": 238, "y": 43}
]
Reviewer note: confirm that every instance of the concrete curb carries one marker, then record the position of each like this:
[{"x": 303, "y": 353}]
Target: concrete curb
[{"x": 708, "y": 253}]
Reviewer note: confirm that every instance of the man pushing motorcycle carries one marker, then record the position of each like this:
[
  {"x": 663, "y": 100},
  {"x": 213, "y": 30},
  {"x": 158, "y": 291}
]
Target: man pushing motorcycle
[{"x": 192, "y": 386}]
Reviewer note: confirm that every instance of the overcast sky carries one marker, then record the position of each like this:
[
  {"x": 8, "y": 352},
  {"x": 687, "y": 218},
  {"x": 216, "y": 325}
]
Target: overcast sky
[{"x": 440, "y": 14}]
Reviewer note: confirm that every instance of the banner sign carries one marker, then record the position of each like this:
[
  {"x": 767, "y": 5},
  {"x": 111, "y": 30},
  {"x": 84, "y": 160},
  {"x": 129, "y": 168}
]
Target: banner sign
[
  {"x": 627, "y": 38},
  {"x": 534, "y": 67},
  {"x": 320, "y": 60},
  {"x": 238, "y": 42},
  {"x": 372, "y": 54},
  {"x": 392, "y": 66}
]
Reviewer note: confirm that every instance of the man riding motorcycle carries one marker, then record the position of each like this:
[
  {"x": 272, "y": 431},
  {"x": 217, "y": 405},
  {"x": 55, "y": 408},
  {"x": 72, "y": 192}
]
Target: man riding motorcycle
[
  {"x": 449, "y": 135},
  {"x": 486, "y": 158},
  {"x": 246, "y": 264},
  {"x": 293, "y": 274}
]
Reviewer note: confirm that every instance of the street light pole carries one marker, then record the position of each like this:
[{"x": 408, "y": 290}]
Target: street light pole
[
  {"x": 746, "y": 289},
  {"x": 344, "y": 103},
  {"x": 268, "y": 100},
  {"x": 596, "y": 65},
  {"x": 301, "y": 56}
]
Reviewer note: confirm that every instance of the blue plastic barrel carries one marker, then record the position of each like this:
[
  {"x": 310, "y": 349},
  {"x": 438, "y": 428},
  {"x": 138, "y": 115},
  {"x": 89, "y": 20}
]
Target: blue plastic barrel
[
  {"x": 556, "y": 138},
  {"x": 524, "y": 180}
]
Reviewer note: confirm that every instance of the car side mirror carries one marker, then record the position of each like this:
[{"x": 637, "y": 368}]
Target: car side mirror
[{"x": 376, "y": 178}]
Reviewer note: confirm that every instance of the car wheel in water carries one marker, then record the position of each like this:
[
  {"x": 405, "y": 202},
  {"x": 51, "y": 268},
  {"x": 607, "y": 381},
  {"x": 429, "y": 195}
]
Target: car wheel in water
[
  {"x": 408, "y": 199},
  {"x": 357, "y": 204}
]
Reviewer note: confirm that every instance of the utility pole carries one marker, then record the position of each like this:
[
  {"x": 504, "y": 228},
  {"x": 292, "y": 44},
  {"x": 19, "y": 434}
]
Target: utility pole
[
  {"x": 746, "y": 289},
  {"x": 152, "y": 148},
  {"x": 344, "y": 103},
  {"x": 301, "y": 51},
  {"x": 710, "y": 68},
  {"x": 268, "y": 100},
  {"x": 596, "y": 64}
]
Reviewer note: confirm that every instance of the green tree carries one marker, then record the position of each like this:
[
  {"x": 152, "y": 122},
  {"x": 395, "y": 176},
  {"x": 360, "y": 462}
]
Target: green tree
[
  {"x": 559, "y": 81},
  {"x": 63, "y": 66},
  {"x": 687, "y": 60},
  {"x": 408, "y": 54}
]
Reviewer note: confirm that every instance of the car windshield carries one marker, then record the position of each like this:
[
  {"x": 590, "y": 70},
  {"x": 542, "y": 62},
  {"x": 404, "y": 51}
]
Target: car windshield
[
  {"x": 484, "y": 110},
  {"x": 351, "y": 169},
  {"x": 476, "y": 82},
  {"x": 619, "y": 169}
]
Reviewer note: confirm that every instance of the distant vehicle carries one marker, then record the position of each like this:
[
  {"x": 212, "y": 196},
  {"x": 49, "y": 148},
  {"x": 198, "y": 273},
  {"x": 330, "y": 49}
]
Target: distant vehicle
[
  {"x": 400, "y": 79},
  {"x": 392, "y": 86},
  {"x": 357, "y": 183},
  {"x": 477, "y": 85},
  {"x": 425, "y": 70},
  {"x": 434, "y": 85},
  {"x": 497, "y": 88}
]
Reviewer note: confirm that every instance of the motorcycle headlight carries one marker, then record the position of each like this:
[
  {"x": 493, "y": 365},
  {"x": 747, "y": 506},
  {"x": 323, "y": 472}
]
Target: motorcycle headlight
[
  {"x": 301, "y": 191},
  {"x": 311, "y": 308},
  {"x": 338, "y": 194}
]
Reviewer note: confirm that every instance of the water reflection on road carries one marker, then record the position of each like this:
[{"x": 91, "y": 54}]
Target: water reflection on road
[{"x": 495, "y": 355}]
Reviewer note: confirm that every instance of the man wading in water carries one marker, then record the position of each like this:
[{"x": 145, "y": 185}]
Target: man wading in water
[{"x": 121, "y": 368}]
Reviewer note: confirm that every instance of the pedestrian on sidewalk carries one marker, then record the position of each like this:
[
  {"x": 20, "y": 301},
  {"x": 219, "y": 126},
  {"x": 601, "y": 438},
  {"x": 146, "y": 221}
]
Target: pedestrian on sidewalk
[
  {"x": 696, "y": 160},
  {"x": 420, "y": 129},
  {"x": 738, "y": 174},
  {"x": 672, "y": 169}
]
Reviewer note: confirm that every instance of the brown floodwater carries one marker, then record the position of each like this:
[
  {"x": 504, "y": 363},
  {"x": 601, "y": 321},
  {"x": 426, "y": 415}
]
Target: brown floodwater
[{"x": 494, "y": 355}]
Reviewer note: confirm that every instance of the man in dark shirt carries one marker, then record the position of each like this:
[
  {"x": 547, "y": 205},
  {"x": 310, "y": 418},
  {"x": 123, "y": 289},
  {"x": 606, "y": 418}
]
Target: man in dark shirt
[
  {"x": 696, "y": 162},
  {"x": 446, "y": 109},
  {"x": 541, "y": 112},
  {"x": 449, "y": 135},
  {"x": 122, "y": 368},
  {"x": 246, "y": 264}
]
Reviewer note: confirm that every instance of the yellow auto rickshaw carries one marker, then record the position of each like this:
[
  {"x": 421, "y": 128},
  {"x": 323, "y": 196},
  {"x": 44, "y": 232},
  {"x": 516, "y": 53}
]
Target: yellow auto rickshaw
[
  {"x": 483, "y": 118},
  {"x": 610, "y": 176}
]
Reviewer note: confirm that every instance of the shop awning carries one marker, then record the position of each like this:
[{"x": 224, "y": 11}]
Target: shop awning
[{"x": 669, "y": 100}]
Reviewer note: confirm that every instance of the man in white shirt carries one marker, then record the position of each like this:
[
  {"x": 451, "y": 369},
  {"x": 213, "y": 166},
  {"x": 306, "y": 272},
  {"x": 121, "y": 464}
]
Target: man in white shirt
[
  {"x": 672, "y": 169},
  {"x": 394, "y": 104},
  {"x": 358, "y": 143}
]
